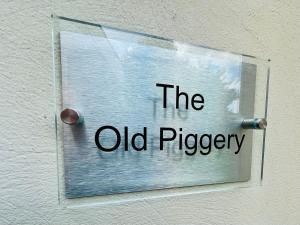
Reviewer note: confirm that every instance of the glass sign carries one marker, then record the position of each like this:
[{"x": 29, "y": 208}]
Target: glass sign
[{"x": 142, "y": 112}]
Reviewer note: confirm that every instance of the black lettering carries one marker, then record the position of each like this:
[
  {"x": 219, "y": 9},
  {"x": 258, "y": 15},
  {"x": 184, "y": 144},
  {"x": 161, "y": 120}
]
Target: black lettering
[
  {"x": 208, "y": 146},
  {"x": 193, "y": 146},
  {"x": 229, "y": 140},
  {"x": 97, "y": 136},
  {"x": 178, "y": 94},
  {"x": 239, "y": 144},
  {"x": 126, "y": 138},
  {"x": 162, "y": 138},
  {"x": 143, "y": 136},
  {"x": 165, "y": 86},
  {"x": 219, "y": 138},
  {"x": 194, "y": 101}
]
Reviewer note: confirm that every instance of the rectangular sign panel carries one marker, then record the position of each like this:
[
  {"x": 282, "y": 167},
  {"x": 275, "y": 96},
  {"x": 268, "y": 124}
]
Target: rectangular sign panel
[{"x": 156, "y": 113}]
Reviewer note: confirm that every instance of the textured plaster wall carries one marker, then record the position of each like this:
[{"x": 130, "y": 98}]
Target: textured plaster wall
[{"x": 28, "y": 172}]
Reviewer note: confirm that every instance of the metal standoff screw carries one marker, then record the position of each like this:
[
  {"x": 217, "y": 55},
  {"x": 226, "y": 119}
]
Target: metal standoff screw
[
  {"x": 71, "y": 116},
  {"x": 257, "y": 123}
]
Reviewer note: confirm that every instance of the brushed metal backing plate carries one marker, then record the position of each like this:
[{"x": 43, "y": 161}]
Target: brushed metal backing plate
[{"x": 111, "y": 80}]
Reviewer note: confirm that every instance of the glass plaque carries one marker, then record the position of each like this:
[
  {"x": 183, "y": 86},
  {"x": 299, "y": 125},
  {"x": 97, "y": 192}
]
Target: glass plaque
[{"x": 154, "y": 113}]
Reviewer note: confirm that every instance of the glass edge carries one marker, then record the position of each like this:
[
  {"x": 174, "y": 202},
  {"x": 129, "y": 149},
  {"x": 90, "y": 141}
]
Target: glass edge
[
  {"x": 265, "y": 131},
  {"x": 55, "y": 103},
  {"x": 57, "y": 100},
  {"x": 152, "y": 36}
]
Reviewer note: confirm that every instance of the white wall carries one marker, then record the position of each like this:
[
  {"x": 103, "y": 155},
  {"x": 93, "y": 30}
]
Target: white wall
[{"x": 28, "y": 172}]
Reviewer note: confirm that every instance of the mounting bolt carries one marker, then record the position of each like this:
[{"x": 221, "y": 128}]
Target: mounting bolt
[
  {"x": 257, "y": 123},
  {"x": 71, "y": 116}
]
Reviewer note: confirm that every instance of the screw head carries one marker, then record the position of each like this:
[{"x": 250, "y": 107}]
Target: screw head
[
  {"x": 70, "y": 116},
  {"x": 262, "y": 123},
  {"x": 256, "y": 123}
]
